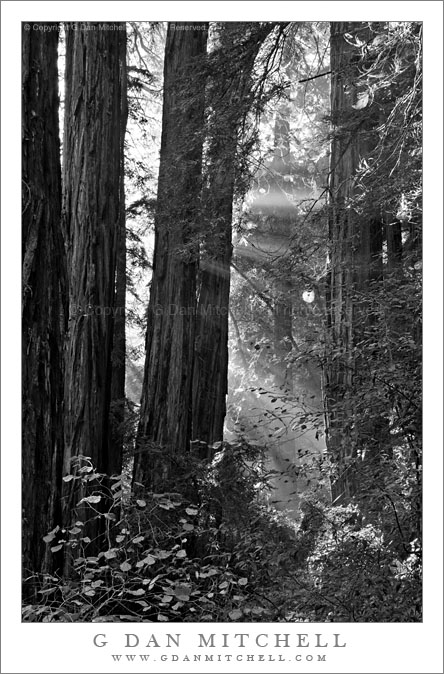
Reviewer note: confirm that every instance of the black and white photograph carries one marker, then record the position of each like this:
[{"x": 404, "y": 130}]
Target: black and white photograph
[{"x": 222, "y": 347}]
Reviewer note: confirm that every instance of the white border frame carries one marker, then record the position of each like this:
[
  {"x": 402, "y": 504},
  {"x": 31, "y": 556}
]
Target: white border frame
[{"x": 386, "y": 647}]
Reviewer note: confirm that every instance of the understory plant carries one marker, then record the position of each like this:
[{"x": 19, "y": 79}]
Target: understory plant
[{"x": 225, "y": 556}]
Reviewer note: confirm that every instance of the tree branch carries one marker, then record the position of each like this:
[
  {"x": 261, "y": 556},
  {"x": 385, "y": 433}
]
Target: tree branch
[
  {"x": 259, "y": 292},
  {"x": 315, "y": 77}
]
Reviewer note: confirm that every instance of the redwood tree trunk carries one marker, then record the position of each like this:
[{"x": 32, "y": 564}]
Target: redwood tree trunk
[
  {"x": 117, "y": 416},
  {"x": 43, "y": 307},
  {"x": 229, "y": 95},
  {"x": 165, "y": 417},
  {"x": 355, "y": 256},
  {"x": 93, "y": 147},
  {"x": 282, "y": 309}
]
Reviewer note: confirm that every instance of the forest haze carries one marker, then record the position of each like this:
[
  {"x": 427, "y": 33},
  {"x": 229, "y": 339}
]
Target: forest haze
[{"x": 222, "y": 322}]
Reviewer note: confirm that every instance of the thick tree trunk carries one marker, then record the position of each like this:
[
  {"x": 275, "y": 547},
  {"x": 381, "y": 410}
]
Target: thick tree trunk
[
  {"x": 211, "y": 356},
  {"x": 92, "y": 212},
  {"x": 355, "y": 254},
  {"x": 229, "y": 98},
  {"x": 118, "y": 359},
  {"x": 165, "y": 417},
  {"x": 43, "y": 308}
]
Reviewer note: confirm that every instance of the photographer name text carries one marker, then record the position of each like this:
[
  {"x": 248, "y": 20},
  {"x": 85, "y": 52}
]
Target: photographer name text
[{"x": 242, "y": 640}]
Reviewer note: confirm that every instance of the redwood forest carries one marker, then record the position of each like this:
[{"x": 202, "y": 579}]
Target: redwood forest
[{"x": 222, "y": 322}]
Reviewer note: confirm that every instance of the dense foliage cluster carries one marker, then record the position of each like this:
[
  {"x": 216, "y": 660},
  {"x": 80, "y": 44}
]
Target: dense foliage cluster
[{"x": 228, "y": 556}]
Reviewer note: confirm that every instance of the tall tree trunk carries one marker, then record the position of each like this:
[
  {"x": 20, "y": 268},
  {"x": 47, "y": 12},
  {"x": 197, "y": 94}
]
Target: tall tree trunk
[
  {"x": 282, "y": 311},
  {"x": 355, "y": 253},
  {"x": 229, "y": 96},
  {"x": 43, "y": 307},
  {"x": 165, "y": 416},
  {"x": 118, "y": 359},
  {"x": 92, "y": 212}
]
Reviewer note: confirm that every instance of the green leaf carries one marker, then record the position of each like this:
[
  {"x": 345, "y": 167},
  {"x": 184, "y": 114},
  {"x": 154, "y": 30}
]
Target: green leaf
[
  {"x": 166, "y": 598},
  {"x": 164, "y": 554},
  {"x": 125, "y": 567},
  {"x": 235, "y": 615},
  {"x": 94, "y": 498},
  {"x": 138, "y": 539},
  {"x": 49, "y": 538},
  {"x": 85, "y": 469},
  {"x": 153, "y": 582},
  {"x": 148, "y": 560},
  {"x": 68, "y": 478},
  {"x": 141, "y": 503},
  {"x": 56, "y": 548},
  {"x": 257, "y": 610},
  {"x": 242, "y": 581},
  {"x": 138, "y": 593},
  {"x": 181, "y": 554},
  {"x": 51, "y": 535},
  {"x": 182, "y": 592},
  {"x": 209, "y": 573},
  {"x": 110, "y": 554}
]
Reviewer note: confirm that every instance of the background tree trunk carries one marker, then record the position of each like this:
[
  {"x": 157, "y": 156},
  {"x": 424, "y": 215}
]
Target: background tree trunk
[
  {"x": 165, "y": 416},
  {"x": 355, "y": 254},
  {"x": 229, "y": 96},
  {"x": 282, "y": 309},
  {"x": 92, "y": 212},
  {"x": 44, "y": 293},
  {"x": 118, "y": 359}
]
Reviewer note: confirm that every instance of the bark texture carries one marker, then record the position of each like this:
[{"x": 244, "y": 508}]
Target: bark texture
[
  {"x": 43, "y": 302},
  {"x": 355, "y": 254},
  {"x": 229, "y": 97},
  {"x": 93, "y": 151},
  {"x": 165, "y": 420},
  {"x": 118, "y": 359}
]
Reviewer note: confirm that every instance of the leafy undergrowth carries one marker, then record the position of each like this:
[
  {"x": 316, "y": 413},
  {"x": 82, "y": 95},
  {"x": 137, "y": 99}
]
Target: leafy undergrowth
[{"x": 227, "y": 557}]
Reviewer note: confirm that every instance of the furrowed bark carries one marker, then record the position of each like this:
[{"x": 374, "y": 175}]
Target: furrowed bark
[
  {"x": 165, "y": 418},
  {"x": 228, "y": 113},
  {"x": 118, "y": 358},
  {"x": 43, "y": 306},
  {"x": 92, "y": 215},
  {"x": 355, "y": 255}
]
